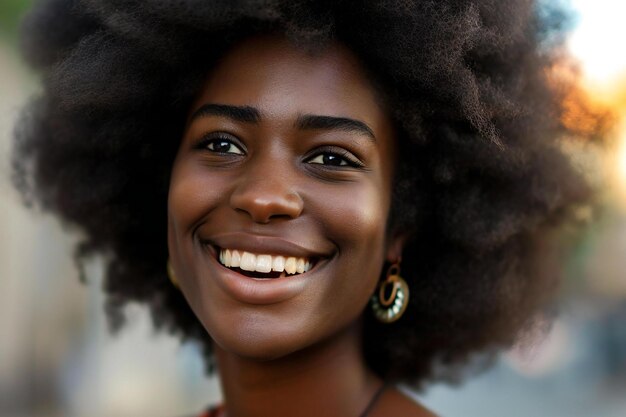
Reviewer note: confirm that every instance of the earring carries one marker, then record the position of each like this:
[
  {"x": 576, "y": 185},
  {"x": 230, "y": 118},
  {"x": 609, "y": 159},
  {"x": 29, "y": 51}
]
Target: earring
[
  {"x": 171, "y": 274},
  {"x": 392, "y": 297}
]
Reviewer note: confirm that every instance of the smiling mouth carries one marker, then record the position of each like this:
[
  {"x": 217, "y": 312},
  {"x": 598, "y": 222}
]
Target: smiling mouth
[{"x": 263, "y": 266}]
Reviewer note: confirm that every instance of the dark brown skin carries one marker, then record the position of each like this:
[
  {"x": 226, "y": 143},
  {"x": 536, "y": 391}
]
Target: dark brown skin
[{"x": 270, "y": 177}]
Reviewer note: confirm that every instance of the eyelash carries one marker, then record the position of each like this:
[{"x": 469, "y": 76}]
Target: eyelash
[
  {"x": 350, "y": 160},
  {"x": 347, "y": 157},
  {"x": 213, "y": 138}
]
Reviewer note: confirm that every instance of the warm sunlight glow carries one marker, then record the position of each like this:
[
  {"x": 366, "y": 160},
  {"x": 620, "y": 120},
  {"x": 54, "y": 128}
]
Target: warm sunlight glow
[
  {"x": 598, "y": 40},
  {"x": 621, "y": 160}
]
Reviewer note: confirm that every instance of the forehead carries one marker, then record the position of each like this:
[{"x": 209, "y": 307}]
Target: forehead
[{"x": 282, "y": 80}]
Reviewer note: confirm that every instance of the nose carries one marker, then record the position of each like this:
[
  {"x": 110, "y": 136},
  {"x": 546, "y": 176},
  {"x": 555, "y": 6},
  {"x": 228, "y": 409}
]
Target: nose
[{"x": 266, "y": 193}]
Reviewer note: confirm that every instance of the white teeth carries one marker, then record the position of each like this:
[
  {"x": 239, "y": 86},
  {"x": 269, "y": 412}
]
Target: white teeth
[
  {"x": 278, "y": 263},
  {"x": 262, "y": 262},
  {"x": 248, "y": 262},
  {"x": 235, "y": 259},
  {"x": 290, "y": 265}
]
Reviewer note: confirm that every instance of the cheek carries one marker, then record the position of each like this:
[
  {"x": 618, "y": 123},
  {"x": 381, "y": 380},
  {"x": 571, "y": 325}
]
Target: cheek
[
  {"x": 188, "y": 199},
  {"x": 188, "y": 203},
  {"x": 356, "y": 218},
  {"x": 357, "y": 227}
]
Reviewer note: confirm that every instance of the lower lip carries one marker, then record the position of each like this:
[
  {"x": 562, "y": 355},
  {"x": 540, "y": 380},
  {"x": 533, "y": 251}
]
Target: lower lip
[{"x": 256, "y": 290}]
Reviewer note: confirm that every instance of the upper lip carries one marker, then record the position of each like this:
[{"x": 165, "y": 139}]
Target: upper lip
[{"x": 262, "y": 245}]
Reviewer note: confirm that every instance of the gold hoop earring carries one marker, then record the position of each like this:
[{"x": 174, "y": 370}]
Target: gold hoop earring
[
  {"x": 172, "y": 275},
  {"x": 390, "y": 301}
]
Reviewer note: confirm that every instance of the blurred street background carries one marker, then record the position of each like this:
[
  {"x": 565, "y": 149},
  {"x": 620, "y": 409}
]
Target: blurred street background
[{"x": 57, "y": 358}]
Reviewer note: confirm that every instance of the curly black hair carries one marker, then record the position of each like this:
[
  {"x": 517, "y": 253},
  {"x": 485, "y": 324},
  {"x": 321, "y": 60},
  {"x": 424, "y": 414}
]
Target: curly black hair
[{"x": 481, "y": 180}]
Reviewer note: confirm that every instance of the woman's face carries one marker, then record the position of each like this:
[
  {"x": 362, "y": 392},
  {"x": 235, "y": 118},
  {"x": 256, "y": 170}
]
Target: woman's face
[{"x": 287, "y": 158}]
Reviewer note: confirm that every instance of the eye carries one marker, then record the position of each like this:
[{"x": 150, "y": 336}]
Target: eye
[
  {"x": 223, "y": 146},
  {"x": 328, "y": 158},
  {"x": 220, "y": 143},
  {"x": 335, "y": 157}
]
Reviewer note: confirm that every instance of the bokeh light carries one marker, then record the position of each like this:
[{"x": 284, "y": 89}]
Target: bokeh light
[
  {"x": 597, "y": 44},
  {"x": 598, "y": 38},
  {"x": 622, "y": 159}
]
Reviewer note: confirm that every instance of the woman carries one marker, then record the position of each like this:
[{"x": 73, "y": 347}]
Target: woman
[{"x": 347, "y": 195}]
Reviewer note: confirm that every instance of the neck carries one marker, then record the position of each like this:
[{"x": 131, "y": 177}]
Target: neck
[{"x": 329, "y": 379}]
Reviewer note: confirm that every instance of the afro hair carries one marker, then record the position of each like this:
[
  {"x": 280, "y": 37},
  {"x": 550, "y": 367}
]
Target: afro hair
[{"x": 481, "y": 180}]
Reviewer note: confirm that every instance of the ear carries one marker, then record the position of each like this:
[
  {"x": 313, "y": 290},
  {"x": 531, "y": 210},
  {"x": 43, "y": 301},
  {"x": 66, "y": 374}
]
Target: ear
[{"x": 395, "y": 246}]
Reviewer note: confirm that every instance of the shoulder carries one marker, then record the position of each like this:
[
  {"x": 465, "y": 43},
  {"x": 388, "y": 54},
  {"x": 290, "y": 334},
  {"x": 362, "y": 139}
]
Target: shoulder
[{"x": 395, "y": 403}]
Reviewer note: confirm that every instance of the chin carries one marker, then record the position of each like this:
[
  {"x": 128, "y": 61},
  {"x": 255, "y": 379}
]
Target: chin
[
  {"x": 258, "y": 343},
  {"x": 274, "y": 334}
]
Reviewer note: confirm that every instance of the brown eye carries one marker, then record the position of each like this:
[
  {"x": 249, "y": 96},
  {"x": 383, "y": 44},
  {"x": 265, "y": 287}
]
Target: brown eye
[
  {"x": 332, "y": 156},
  {"x": 223, "y": 146},
  {"x": 328, "y": 158},
  {"x": 221, "y": 143}
]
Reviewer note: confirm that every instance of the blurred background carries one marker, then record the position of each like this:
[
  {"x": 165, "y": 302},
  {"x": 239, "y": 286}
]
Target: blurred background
[{"x": 57, "y": 358}]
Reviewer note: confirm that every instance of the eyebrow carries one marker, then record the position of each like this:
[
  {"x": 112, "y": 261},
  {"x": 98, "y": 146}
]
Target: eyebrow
[
  {"x": 312, "y": 121},
  {"x": 249, "y": 114},
  {"x": 245, "y": 114}
]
